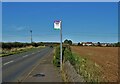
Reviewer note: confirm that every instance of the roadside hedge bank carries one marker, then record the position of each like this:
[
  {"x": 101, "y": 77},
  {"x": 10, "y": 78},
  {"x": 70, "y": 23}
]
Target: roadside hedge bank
[{"x": 90, "y": 71}]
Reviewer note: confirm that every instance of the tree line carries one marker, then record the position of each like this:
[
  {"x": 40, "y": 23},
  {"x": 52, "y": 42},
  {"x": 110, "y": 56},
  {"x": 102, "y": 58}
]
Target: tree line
[
  {"x": 117, "y": 44},
  {"x": 69, "y": 42},
  {"x": 10, "y": 45}
]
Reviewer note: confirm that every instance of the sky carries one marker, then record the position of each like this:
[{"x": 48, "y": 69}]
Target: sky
[
  {"x": 60, "y": 0},
  {"x": 81, "y": 21},
  {"x": 0, "y": 22}
]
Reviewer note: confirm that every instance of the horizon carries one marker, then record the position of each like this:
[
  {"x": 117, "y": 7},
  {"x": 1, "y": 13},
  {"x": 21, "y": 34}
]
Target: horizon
[
  {"x": 52, "y": 42},
  {"x": 82, "y": 21}
]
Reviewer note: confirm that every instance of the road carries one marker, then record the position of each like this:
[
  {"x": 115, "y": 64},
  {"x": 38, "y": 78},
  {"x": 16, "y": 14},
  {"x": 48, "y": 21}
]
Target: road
[{"x": 16, "y": 67}]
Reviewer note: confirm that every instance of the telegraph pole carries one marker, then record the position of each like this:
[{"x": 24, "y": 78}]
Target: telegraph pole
[{"x": 31, "y": 35}]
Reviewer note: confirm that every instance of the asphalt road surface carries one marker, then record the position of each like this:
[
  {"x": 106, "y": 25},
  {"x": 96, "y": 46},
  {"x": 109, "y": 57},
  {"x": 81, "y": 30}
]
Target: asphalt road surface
[{"x": 16, "y": 67}]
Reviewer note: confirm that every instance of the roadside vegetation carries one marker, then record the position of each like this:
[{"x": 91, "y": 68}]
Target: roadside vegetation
[
  {"x": 56, "y": 59},
  {"x": 90, "y": 71},
  {"x": 11, "y": 48}
]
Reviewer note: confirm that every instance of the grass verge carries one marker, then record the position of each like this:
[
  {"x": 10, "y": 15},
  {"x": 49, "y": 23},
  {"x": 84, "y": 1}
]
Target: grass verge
[
  {"x": 56, "y": 59},
  {"x": 90, "y": 71},
  {"x": 87, "y": 68},
  {"x": 17, "y": 51}
]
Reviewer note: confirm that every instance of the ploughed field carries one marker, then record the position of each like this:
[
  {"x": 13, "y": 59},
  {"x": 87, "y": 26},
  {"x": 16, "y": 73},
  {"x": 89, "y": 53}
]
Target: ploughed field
[{"x": 105, "y": 57}]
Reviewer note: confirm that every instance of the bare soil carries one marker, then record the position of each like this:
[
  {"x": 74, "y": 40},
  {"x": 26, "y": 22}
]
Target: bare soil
[{"x": 105, "y": 57}]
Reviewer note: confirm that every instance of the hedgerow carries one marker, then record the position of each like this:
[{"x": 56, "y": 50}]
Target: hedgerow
[{"x": 90, "y": 71}]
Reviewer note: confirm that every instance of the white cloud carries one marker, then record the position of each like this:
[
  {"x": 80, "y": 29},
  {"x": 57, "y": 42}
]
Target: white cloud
[
  {"x": 20, "y": 28},
  {"x": 13, "y": 27}
]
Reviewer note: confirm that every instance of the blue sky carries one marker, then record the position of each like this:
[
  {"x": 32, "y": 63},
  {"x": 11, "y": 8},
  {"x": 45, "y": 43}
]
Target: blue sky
[{"x": 93, "y": 22}]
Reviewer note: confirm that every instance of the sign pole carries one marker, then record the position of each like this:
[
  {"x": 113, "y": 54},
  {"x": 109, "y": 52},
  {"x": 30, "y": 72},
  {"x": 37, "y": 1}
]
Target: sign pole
[
  {"x": 58, "y": 26},
  {"x": 61, "y": 47}
]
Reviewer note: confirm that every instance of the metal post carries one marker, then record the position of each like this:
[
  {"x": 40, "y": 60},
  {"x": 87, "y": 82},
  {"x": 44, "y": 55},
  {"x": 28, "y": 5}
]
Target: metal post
[
  {"x": 31, "y": 35},
  {"x": 61, "y": 47}
]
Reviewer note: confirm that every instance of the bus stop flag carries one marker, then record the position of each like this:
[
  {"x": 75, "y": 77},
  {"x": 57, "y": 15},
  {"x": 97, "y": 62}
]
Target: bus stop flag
[{"x": 57, "y": 24}]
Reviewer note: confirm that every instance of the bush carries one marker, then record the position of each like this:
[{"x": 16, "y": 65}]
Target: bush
[
  {"x": 35, "y": 44},
  {"x": 11, "y": 45},
  {"x": 66, "y": 53}
]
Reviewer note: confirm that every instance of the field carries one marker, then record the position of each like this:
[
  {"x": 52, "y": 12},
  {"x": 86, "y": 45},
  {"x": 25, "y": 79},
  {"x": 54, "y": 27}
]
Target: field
[{"x": 105, "y": 57}]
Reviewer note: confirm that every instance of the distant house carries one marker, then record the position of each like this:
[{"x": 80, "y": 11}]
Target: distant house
[
  {"x": 95, "y": 44},
  {"x": 107, "y": 44},
  {"x": 104, "y": 44},
  {"x": 87, "y": 43}
]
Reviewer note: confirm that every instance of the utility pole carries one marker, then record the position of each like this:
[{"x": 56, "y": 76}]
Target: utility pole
[{"x": 31, "y": 35}]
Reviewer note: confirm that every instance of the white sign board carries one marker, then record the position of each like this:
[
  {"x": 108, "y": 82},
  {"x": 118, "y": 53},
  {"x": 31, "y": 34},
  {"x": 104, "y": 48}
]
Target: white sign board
[{"x": 57, "y": 24}]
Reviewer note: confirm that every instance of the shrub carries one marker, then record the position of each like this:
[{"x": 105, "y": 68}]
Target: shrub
[{"x": 68, "y": 55}]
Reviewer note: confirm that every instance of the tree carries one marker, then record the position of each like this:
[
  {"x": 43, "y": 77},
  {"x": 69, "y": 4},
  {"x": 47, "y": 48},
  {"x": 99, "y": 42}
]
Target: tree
[
  {"x": 41, "y": 44},
  {"x": 68, "y": 42},
  {"x": 99, "y": 44},
  {"x": 117, "y": 44},
  {"x": 79, "y": 44},
  {"x": 35, "y": 44}
]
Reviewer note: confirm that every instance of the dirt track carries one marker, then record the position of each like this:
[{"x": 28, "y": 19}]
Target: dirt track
[{"x": 106, "y": 57}]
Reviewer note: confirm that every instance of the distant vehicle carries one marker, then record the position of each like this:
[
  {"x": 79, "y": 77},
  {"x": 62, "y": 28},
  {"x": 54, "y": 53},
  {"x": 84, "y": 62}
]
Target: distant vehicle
[{"x": 51, "y": 46}]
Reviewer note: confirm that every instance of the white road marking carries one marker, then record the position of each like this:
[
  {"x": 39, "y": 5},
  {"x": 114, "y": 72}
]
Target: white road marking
[
  {"x": 25, "y": 56},
  {"x": 8, "y": 62}
]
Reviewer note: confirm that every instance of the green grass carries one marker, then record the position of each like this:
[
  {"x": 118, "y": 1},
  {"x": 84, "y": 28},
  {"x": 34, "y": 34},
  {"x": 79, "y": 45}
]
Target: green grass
[
  {"x": 88, "y": 69},
  {"x": 56, "y": 59}
]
